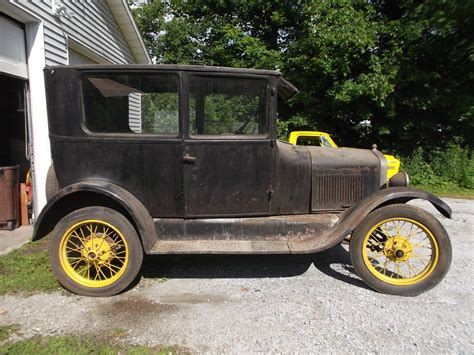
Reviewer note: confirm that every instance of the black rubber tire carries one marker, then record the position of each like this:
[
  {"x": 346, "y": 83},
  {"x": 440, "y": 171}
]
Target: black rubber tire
[
  {"x": 401, "y": 211},
  {"x": 119, "y": 222}
]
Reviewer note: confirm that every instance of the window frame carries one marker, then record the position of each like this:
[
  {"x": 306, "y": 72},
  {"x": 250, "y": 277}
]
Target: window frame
[
  {"x": 83, "y": 74},
  {"x": 226, "y": 137}
]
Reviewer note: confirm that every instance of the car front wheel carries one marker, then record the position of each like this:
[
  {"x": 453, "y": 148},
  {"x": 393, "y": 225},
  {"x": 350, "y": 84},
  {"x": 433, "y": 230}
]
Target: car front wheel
[{"x": 401, "y": 250}]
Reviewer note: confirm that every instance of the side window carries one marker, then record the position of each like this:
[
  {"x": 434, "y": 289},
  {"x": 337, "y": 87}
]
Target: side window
[
  {"x": 131, "y": 103},
  {"x": 313, "y": 141},
  {"x": 325, "y": 142},
  {"x": 228, "y": 106}
]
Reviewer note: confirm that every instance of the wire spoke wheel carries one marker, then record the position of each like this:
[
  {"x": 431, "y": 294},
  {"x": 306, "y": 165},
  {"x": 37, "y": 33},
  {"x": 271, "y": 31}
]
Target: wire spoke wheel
[
  {"x": 401, "y": 250},
  {"x": 96, "y": 252}
]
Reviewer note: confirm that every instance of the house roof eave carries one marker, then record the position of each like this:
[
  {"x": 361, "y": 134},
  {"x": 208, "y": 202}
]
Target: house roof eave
[{"x": 129, "y": 28}]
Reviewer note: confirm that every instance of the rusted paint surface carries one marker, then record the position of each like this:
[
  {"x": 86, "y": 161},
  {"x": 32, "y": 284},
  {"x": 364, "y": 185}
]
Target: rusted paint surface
[
  {"x": 291, "y": 180},
  {"x": 290, "y": 227},
  {"x": 342, "y": 177},
  {"x": 309, "y": 241}
]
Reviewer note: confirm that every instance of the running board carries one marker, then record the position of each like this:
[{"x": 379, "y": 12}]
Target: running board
[
  {"x": 220, "y": 247},
  {"x": 256, "y": 235},
  {"x": 311, "y": 245}
]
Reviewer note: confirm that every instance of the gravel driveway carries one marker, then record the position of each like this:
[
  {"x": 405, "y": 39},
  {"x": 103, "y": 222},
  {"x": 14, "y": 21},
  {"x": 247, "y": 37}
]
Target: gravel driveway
[{"x": 269, "y": 304}]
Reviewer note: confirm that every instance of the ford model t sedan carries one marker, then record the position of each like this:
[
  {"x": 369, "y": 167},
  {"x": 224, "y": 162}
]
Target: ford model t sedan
[{"x": 185, "y": 160}]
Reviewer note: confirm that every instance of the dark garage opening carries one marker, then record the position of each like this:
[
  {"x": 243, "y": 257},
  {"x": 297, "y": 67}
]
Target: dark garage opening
[
  {"x": 15, "y": 190},
  {"x": 13, "y": 124}
]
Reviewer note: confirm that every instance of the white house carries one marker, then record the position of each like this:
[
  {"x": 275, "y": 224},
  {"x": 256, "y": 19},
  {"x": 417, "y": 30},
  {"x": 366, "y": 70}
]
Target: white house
[{"x": 37, "y": 33}]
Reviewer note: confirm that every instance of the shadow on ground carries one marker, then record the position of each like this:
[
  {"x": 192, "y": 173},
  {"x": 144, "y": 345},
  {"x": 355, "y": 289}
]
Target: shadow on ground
[{"x": 334, "y": 262}]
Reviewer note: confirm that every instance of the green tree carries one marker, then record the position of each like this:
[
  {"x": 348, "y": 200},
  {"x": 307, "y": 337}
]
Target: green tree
[
  {"x": 433, "y": 102},
  {"x": 398, "y": 73}
]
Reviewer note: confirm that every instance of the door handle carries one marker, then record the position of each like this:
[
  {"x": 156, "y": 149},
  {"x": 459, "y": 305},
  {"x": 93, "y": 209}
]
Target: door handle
[{"x": 188, "y": 159}]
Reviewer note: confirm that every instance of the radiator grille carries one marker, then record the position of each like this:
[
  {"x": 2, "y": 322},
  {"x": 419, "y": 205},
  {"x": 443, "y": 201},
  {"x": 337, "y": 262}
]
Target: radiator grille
[{"x": 337, "y": 191}]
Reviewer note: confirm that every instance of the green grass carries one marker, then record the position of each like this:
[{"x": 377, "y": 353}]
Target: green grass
[
  {"x": 27, "y": 270},
  {"x": 7, "y": 330},
  {"x": 79, "y": 346},
  {"x": 448, "y": 191}
]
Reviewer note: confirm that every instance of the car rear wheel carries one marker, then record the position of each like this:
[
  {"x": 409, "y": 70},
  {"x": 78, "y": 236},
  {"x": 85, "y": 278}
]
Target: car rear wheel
[
  {"x": 401, "y": 250},
  {"x": 95, "y": 251}
]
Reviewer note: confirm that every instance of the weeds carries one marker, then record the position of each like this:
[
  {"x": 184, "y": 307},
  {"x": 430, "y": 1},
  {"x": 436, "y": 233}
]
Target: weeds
[{"x": 451, "y": 170}]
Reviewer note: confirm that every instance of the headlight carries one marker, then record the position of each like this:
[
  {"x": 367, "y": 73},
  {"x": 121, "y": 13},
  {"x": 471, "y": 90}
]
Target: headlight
[{"x": 399, "y": 179}]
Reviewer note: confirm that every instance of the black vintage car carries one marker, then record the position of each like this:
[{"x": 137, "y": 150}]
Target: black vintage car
[{"x": 184, "y": 160}]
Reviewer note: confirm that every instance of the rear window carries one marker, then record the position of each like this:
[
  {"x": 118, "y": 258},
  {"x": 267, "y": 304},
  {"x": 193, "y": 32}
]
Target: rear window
[{"x": 131, "y": 103}]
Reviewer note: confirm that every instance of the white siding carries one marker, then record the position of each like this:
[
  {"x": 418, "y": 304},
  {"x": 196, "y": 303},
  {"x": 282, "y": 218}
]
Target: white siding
[
  {"x": 89, "y": 23},
  {"x": 135, "y": 112},
  {"x": 77, "y": 58}
]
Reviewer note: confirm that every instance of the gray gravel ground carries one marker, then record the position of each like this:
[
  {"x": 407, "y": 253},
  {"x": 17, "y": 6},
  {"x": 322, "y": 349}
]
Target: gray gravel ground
[{"x": 288, "y": 304}]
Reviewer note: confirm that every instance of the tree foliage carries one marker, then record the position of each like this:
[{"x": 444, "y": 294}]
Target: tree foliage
[{"x": 398, "y": 73}]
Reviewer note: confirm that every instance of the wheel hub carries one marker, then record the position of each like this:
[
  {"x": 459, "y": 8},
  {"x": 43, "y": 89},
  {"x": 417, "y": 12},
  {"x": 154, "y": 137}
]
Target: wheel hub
[
  {"x": 398, "y": 249},
  {"x": 98, "y": 248}
]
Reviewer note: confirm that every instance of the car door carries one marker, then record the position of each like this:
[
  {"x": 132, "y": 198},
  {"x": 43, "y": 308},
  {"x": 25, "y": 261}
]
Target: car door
[
  {"x": 133, "y": 137},
  {"x": 228, "y": 153}
]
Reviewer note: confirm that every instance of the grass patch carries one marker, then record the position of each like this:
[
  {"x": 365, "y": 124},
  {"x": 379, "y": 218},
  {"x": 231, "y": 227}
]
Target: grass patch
[
  {"x": 27, "y": 270},
  {"x": 118, "y": 333},
  {"x": 7, "y": 330},
  {"x": 449, "y": 191},
  {"x": 75, "y": 345}
]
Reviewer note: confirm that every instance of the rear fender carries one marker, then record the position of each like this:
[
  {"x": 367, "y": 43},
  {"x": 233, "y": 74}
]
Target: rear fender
[
  {"x": 352, "y": 217},
  {"x": 96, "y": 193}
]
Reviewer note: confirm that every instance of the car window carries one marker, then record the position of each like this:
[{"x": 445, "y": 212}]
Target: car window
[
  {"x": 228, "y": 106},
  {"x": 314, "y": 141},
  {"x": 325, "y": 142},
  {"x": 131, "y": 103}
]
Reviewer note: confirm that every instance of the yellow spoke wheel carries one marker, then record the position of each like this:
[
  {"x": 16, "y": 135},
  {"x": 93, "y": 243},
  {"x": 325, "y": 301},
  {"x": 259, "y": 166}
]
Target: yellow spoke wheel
[
  {"x": 400, "y": 249},
  {"x": 95, "y": 251}
]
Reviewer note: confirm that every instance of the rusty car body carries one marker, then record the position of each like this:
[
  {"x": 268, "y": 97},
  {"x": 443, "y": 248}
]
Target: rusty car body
[{"x": 171, "y": 159}]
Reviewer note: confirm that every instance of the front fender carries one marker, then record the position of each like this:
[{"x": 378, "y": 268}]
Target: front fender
[
  {"x": 352, "y": 217},
  {"x": 402, "y": 195},
  {"x": 89, "y": 193}
]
